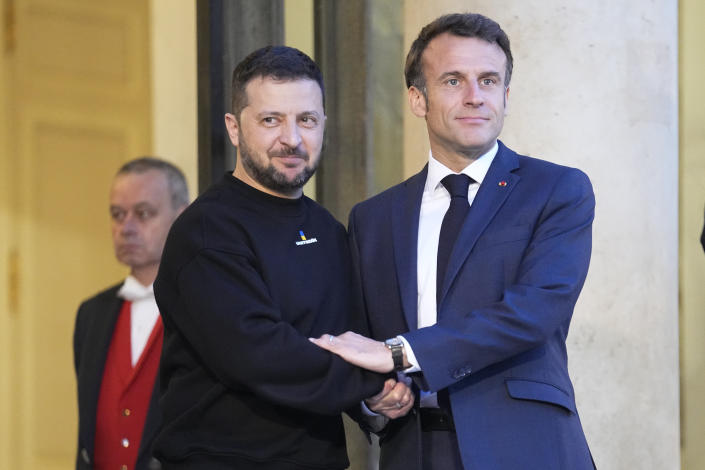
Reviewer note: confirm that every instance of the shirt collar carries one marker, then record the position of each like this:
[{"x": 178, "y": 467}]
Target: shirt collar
[
  {"x": 132, "y": 290},
  {"x": 476, "y": 170}
]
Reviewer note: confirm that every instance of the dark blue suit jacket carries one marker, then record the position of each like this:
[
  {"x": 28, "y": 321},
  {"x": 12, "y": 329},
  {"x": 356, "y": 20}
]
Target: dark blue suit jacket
[{"x": 499, "y": 345}]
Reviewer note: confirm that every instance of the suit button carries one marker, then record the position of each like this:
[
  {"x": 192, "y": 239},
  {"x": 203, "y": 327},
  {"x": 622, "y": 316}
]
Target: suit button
[
  {"x": 126, "y": 412},
  {"x": 84, "y": 455},
  {"x": 123, "y": 467},
  {"x": 125, "y": 442}
]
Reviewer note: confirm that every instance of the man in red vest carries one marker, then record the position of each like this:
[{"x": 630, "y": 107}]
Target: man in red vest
[{"x": 118, "y": 333}]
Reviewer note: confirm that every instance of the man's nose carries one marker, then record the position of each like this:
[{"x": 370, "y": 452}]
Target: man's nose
[
  {"x": 473, "y": 95},
  {"x": 290, "y": 136},
  {"x": 129, "y": 223}
]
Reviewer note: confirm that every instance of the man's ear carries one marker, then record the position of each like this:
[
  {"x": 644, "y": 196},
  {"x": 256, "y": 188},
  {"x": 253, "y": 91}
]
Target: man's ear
[
  {"x": 506, "y": 101},
  {"x": 417, "y": 102},
  {"x": 232, "y": 127}
]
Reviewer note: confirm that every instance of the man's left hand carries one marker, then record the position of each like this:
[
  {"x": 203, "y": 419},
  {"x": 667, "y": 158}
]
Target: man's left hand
[{"x": 358, "y": 350}]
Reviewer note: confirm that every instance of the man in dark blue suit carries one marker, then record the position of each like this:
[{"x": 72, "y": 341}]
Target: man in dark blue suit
[{"x": 470, "y": 271}]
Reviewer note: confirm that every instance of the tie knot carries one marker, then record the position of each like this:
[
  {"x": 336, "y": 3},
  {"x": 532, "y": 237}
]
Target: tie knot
[{"x": 457, "y": 185}]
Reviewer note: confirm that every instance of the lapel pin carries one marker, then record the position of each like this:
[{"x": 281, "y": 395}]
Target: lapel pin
[{"x": 502, "y": 183}]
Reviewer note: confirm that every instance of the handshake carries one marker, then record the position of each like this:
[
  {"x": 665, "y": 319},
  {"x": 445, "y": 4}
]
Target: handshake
[{"x": 396, "y": 398}]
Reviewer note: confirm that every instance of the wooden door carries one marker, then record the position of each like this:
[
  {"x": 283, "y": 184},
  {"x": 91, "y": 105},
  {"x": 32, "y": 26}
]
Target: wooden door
[{"x": 75, "y": 97}]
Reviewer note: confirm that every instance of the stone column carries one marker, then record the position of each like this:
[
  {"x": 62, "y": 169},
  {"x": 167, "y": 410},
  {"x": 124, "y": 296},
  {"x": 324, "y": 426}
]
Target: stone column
[
  {"x": 358, "y": 45},
  {"x": 692, "y": 258}
]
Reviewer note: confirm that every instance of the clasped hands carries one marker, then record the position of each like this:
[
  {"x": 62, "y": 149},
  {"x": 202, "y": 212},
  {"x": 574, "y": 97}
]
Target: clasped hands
[{"x": 396, "y": 398}]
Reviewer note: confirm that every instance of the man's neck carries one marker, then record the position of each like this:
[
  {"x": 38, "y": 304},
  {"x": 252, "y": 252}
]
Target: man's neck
[
  {"x": 457, "y": 161},
  {"x": 145, "y": 275}
]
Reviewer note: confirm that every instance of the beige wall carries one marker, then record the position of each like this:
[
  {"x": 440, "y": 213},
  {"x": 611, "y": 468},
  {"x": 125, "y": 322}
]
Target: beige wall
[
  {"x": 595, "y": 86},
  {"x": 5, "y": 246},
  {"x": 692, "y": 258},
  {"x": 74, "y": 104},
  {"x": 174, "y": 92}
]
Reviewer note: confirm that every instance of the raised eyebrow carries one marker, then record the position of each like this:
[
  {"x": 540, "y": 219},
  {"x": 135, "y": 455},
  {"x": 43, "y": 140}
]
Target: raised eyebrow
[
  {"x": 265, "y": 114},
  {"x": 278, "y": 114},
  {"x": 310, "y": 113},
  {"x": 453, "y": 74},
  {"x": 490, "y": 75},
  {"x": 143, "y": 205}
]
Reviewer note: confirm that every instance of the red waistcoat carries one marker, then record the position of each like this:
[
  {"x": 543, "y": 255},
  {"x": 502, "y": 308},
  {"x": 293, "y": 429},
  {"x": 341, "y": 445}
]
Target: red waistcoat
[{"x": 124, "y": 398}]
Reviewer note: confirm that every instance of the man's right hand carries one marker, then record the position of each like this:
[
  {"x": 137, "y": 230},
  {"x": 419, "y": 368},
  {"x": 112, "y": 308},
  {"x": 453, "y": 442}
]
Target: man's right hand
[{"x": 394, "y": 401}]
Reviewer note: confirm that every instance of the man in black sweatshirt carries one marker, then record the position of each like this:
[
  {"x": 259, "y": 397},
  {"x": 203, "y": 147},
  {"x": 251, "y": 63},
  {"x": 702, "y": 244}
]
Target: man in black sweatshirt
[{"x": 250, "y": 271}]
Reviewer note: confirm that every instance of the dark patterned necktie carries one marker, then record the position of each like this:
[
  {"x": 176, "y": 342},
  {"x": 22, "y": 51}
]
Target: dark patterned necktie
[{"x": 457, "y": 186}]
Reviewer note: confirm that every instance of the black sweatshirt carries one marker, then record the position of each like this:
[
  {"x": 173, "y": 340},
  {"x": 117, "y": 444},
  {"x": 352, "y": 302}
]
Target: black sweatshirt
[{"x": 245, "y": 279}]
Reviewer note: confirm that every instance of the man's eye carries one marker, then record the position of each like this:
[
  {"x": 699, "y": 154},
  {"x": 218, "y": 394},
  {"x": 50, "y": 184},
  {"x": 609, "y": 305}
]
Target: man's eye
[
  {"x": 309, "y": 121},
  {"x": 144, "y": 214},
  {"x": 488, "y": 81},
  {"x": 269, "y": 120},
  {"x": 117, "y": 216},
  {"x": 453, "y": 82}
]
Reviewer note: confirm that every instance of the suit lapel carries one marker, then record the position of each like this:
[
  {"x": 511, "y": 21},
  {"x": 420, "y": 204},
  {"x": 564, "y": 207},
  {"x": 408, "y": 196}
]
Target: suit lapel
[
  {"x": 494, "y": 190},
  {"x": 97, "y": 345},
  {"x": 405, "y": 226}
]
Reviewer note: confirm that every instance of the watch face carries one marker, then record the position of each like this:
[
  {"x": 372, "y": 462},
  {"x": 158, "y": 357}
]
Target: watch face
[{"x": 393, "y": 342}]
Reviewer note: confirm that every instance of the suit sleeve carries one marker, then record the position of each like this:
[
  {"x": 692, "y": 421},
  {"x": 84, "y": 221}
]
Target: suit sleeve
[
  {"x": 537, "y": 304},
  {"x": 77, "y": 337},
  {"x": 77, "y": 340},
  {"x": 225, "y": 312}
]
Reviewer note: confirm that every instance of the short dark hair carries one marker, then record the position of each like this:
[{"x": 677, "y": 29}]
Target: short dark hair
[
  {"x": 470, "y": 25},
  {"x": 277, "y": 62},
  {"x": 178, "y": 188}
]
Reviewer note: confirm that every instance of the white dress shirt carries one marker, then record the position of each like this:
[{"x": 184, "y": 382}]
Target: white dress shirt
[
  {"x": 143, "y": 314},
  {"x": 434, "y": 204}
]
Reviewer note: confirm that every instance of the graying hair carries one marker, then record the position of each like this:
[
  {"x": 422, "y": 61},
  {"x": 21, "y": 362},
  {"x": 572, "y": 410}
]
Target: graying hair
[{"x": 174, "y": 176}]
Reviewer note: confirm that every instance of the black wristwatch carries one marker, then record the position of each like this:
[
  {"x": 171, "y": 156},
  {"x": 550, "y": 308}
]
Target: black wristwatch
[{"x": 397, "y": 347}]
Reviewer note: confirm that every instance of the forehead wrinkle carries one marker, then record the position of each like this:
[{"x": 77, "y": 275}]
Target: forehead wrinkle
[
  {"x": 136, "y": 205},
  {"x": 438, "y": 45},
  {"x": 312, "y": 112}
]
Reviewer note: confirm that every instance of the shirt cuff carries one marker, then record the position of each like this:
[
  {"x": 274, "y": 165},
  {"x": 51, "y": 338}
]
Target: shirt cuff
[
  {"x": 366, "y": 411},
  {"x": 375, "y": 421},
  {"x": 410, "y": 357}
]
